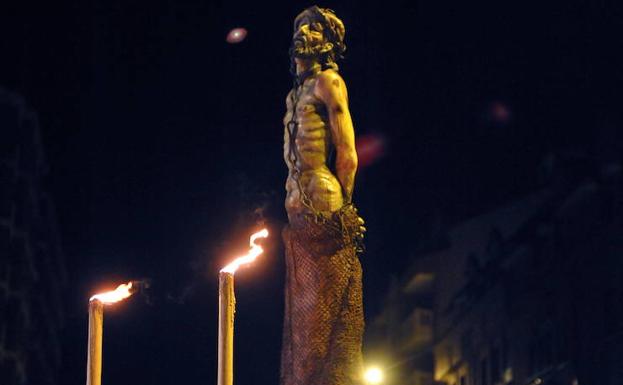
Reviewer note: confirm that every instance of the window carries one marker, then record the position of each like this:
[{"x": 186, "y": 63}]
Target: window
[
  {"x": 484, "y": 378},
  {"x": 426, "y": 318},
  {"x": 505, "y": 358},
  {"x": 450, "y": 353},
  {"x": 466, "y": 344},
  {"x": 495, "y": 364},
  {"x": 542, "y": 350}
]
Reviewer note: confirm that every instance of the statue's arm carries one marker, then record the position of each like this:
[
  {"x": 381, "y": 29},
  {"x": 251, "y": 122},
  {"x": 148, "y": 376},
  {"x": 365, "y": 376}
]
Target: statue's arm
[{"x": 331, "y": 90}]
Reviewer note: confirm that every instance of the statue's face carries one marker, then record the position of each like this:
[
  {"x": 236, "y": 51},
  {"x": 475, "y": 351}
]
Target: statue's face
[{"x": 308, "y": 39}]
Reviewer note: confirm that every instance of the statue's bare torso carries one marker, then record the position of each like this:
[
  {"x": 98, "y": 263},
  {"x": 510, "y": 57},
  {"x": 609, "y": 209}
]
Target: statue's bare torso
[{"x": 309, "y": 170}]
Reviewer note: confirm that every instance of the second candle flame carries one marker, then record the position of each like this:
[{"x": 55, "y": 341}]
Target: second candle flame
[
  {"x": 255, "y": 251},
  {"x": 122, "y": 291}
]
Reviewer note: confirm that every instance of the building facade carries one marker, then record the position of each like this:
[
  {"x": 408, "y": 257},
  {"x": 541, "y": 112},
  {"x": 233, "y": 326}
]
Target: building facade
[
  {"x": 529, "y": 293},
  {"x": 32, "y": 270}
]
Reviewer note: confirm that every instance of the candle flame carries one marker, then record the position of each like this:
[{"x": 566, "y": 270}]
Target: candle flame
[
  {"x": 255, "y": 251},
  {"x": 122, "y": 291}
]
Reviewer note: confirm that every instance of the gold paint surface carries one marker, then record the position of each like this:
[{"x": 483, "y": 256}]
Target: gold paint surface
[
  {"x": 94, "y": 357},
  {"x": 227, "y": 308}
]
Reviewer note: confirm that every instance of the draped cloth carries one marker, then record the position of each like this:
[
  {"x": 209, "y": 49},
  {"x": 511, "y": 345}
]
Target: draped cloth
[{"x": 323, "y": 321}]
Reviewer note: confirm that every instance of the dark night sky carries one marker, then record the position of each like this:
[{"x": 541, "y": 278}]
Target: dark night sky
[{"x": 163, "y": 140}]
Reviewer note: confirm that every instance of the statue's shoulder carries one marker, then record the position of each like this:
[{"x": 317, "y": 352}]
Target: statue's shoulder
[
  {"x": 328, "y": 77},
  {"x": 330, "y": 87}
]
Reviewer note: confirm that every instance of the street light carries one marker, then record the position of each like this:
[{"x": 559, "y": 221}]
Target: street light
[{"x": 373, "y": 375}]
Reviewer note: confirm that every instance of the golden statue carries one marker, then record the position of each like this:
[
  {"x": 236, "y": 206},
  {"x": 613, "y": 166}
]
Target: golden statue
[{"x": 323, "y": 323}]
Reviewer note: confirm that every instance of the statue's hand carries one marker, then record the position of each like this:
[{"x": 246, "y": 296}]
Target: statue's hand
[
  {"x": 359, "y": 234},
  {"x": 353, "y": 225},
  {"x": 362, "y": 228}
]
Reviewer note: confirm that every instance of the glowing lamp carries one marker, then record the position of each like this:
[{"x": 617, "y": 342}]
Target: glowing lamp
[{"x": 373, "y": 375}]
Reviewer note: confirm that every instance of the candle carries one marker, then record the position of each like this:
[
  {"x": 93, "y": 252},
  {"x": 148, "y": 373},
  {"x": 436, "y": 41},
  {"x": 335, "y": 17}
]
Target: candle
[
  {"x": 94, "y": 358},
  {"x": 96, "y": 329},
  {"x": 227, "y": 309}
]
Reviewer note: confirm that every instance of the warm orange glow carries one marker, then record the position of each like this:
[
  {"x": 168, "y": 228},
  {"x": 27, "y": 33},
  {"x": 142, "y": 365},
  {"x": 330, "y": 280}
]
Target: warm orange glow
[
  {"x": 373, "y": 375},
  {"x": 122, "y": 291},
  {"x": 250, "y": 257}
]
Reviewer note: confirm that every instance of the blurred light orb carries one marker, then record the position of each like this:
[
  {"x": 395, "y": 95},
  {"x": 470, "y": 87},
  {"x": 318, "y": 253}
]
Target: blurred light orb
[
  {"x": 370, "y": 148},
  {"x": 236, "y": 35},
  {"x": 499, "y": 112},
  {"x": 373, "y": 375}
]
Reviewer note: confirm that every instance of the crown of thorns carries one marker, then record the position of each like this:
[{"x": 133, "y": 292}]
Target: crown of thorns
[{"x": 334, "y": 31}]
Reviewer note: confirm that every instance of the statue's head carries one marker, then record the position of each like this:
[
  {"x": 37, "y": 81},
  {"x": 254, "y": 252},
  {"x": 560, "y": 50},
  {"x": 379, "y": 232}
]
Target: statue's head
[{"x": 318, "y": 35}]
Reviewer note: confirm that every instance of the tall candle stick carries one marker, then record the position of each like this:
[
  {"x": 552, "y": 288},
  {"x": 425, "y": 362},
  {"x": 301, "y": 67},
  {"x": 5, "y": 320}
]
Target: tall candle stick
[
  {"x": 227, "y": 309},
  {"x": 94, "y": 358},
  {"x": 96, "y": 329}
]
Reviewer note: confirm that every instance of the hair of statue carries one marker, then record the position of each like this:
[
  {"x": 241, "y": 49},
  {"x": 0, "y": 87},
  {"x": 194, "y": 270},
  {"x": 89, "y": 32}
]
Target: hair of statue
[{"x": 333, "y": 32}]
